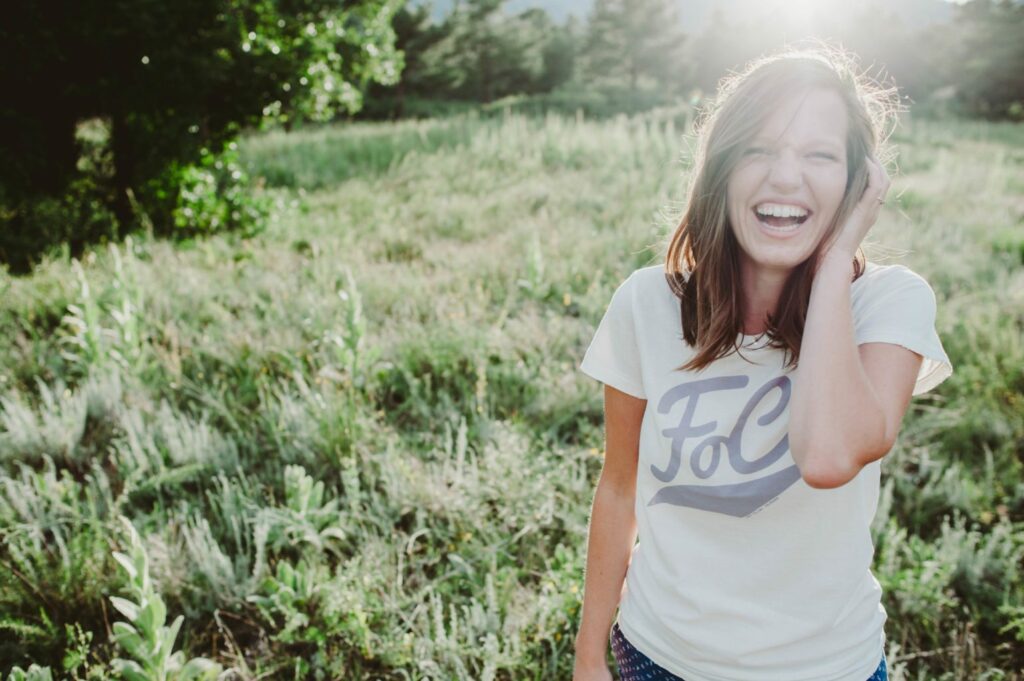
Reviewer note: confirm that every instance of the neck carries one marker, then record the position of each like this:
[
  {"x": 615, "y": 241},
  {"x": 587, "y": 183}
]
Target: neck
[{"x": 762, "y": 289}]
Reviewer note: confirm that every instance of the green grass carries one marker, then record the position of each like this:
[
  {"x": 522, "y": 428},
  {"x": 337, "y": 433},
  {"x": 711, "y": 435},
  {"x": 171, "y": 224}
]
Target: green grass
[{"x": 358, "y": 444}]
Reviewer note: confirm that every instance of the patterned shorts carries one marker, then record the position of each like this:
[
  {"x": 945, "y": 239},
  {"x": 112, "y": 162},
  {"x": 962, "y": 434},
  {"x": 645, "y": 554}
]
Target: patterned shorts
[{"x": 635, "y": 666}]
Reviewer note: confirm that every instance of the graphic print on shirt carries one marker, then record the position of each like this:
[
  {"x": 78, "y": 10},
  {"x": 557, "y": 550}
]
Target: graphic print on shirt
[{"x": 738, "y": 499}]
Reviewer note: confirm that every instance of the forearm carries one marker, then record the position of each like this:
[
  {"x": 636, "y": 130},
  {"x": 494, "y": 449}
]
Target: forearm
[
  {"x": 609, "y": 546},
  {"x": 836, "y": 421}
]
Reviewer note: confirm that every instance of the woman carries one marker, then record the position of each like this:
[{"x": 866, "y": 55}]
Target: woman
[{"x": 753, "y": 382}]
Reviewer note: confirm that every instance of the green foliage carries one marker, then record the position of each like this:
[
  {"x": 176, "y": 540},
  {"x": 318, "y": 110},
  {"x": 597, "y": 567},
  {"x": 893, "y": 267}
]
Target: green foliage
[
  {"x": 33, "y": 673},
  {"x": 636, "y": 42},
  {"x": 55, "y": 557},
  {"x": 318, "y": 158},
  {"x": 215, "y": 195},
  {"x": 174, "y": 85},
  {"x": 144, "y": 636},
  {"x": 32, "y": 226},
  {"x": 986, "y": 58},
  {"x": 1015, "y": 613},
  {"x": 75, "y": 662},
  {"x": 306, "y": 518},
  {"x": 360, "y": 440},
  {"x": 479, "y": 53},
  {"x": 104, "y": 328},
  {"x": 486, "y": 54},
  {"x": 289, "y": 594},
  {"x": 603, "y": 101},
  {"x": 79, "y": 647},
  {"x": 967, "y": 64}
]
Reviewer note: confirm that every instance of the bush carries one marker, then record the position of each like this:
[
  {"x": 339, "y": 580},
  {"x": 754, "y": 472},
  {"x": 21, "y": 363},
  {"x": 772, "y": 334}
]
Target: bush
[
  {"x": 215, "y": 195},
  {"x": 172, "y": 84},
  {"x": 212, "y": 195},
  {"x": 32, "y": 225}
]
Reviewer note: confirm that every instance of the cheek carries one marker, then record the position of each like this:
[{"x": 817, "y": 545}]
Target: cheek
[
  {"x": 738, "y": 191},
  {"x": 831, "y": 190},
  {"x": 838, "y": 184}
]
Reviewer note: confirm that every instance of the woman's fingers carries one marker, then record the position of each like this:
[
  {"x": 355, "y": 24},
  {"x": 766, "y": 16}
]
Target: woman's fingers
[{"x": 878, "y": 179}]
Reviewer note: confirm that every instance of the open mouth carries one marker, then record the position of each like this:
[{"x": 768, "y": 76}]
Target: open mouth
[{"x": 789, "y": 223}]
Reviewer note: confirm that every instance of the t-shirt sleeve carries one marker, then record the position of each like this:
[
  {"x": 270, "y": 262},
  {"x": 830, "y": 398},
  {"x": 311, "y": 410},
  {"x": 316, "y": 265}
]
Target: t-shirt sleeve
[
  {"x": 902, "y": 311},
  {"x": 613, "y": 356}
]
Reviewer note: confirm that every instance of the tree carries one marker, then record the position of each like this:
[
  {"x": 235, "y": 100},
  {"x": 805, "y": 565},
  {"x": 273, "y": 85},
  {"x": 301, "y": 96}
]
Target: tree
[
  {"x": 478, "y": 53},
  {"x": 632, "y": 41},
  {"x": 486, "y": 54},
  {"x": 988, "y": 58},
  {"x": 415, "y": 35},
  {"x": 175, "y": 83},
  {"x": 559, "y": 56}
]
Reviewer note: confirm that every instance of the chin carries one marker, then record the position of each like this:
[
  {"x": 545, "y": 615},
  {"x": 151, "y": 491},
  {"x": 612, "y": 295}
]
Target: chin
[{"x": 781, "y": 263}]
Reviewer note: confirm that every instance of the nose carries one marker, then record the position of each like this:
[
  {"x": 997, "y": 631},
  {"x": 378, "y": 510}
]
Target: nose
[{"x": 784, "y": 171}]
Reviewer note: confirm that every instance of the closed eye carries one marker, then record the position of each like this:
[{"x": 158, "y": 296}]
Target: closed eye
[
  {"x": 824, "y": 154},
  {"x": 754, "y": 150}
]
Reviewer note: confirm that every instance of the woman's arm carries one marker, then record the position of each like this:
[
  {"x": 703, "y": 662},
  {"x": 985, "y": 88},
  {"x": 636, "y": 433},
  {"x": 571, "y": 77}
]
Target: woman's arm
[
  {"x": 612, "y": 527},
  {"x": 847, "y": 401}
]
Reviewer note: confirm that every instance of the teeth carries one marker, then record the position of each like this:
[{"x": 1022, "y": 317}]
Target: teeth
[{"x": 780, "y": 210}]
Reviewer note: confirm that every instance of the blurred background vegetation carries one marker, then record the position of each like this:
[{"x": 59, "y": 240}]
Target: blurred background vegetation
[
  {"x": 293, "y": 294},
  {"x": 126, "y": 119}
]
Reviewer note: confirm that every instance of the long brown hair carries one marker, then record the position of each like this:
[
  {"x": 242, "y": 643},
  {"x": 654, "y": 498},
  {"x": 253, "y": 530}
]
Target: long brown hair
[{"x": 702, "y": 261}]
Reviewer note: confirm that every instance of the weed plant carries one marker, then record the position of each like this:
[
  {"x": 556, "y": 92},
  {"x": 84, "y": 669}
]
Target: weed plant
[{"x": 358, "y": 446}]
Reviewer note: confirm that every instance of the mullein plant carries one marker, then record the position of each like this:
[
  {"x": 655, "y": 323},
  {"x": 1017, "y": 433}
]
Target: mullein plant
[
  {"x": 144, "y": 636},
  {"x": 87, "y": 341},
  {"x": 33, "y": 673}
]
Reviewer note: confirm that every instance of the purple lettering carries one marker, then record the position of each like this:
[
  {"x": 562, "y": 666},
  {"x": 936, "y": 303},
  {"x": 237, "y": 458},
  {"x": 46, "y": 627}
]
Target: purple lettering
[
  {"x": 691, "y": 392},
  {"x": 686, "y": 429}
]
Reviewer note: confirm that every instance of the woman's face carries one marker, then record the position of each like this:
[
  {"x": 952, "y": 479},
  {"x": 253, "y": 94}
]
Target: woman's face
[{"x": 794, "y": 168}]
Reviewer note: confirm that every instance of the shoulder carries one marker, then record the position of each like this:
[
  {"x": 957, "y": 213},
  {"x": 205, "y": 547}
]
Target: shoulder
[
  {"x": 644, "y": 294},
  {"x": 893, "y": 304},
  {"x": 648, "y": 288},
  {"x": 891, "y": 296},
  {"x": 887, "y": 281},
  {"x": 875, "y": 273},
  {"x": 648, "y": 280}
]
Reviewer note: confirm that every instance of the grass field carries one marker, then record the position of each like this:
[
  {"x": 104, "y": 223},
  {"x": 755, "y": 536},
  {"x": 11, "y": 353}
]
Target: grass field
[{"x": 358, "y": 446}]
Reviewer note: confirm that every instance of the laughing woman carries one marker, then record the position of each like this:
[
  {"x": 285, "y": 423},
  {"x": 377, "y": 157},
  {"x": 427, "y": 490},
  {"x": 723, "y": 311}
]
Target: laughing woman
[{"x": 753, "y": 383}]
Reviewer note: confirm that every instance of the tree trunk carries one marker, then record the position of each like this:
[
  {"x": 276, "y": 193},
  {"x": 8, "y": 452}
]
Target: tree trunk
[{"x": 124, "y": 171}]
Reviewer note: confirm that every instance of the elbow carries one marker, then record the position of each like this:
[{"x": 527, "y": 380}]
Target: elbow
[
  {"x": 835, "y": 469},
  {"x": 820, "y": 477},
  {"x": 824, "y": 464},
  {"x": 840, "y": 467}
]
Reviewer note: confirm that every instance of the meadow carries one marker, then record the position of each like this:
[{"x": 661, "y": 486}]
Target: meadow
[{"x": 357, "y": 446}]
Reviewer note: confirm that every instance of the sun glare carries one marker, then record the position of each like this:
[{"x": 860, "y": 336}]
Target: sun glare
[
  {"x": 800, "y": 16},
  {"x": 800, "y": 13}
]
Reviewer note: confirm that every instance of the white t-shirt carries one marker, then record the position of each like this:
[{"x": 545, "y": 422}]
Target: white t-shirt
[{"x": 742, "y": 571}]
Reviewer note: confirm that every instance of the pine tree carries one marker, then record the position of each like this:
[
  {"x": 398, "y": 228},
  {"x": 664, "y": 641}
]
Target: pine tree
[{"x": 636, "y": 41}]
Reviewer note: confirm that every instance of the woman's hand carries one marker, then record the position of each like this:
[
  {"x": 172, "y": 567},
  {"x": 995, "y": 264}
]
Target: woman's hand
[{"x": 864, "y": 215}]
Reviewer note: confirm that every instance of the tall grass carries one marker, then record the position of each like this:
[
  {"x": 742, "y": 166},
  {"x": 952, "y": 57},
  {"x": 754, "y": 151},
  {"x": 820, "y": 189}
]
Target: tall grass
[{"x": 357, "y": 446}]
